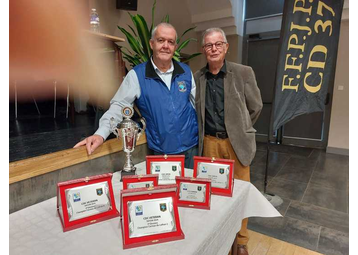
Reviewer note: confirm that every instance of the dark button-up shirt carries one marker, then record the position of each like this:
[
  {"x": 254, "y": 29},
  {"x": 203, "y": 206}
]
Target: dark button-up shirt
[{"x": 214, "y": 101}]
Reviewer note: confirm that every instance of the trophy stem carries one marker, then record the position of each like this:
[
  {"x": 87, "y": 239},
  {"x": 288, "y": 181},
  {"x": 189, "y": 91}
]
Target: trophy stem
[{"x": 128, "y": 165}]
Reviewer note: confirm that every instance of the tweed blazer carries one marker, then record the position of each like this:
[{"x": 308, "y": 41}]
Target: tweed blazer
[{"x": 242, "y": 107}]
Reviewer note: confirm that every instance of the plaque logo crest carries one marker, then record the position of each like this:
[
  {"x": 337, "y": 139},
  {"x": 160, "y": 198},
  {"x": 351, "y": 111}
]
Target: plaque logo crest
[
  {"x": 184, "y": 187},
  {"x": 138, "y": 210},
  {"x": 163, "y": 207},
  {"x": 174, "y": 168},
  {"x": 76, "y": 197},
  {"x": 157, "y": 168},
  {"x": 99, "y": 192},
  {"x": 203, "y": 169},
  {"x": 147, "y": 185},
  {"x": 221, "y": 170},
  {"x": 182, "y": 86},
  {"x": 199, "y": 188}
]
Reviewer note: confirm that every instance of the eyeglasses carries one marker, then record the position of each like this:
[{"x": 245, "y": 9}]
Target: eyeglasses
[
  {"x": 162, "y": 41},
  {"x": 218, "y": 45}
]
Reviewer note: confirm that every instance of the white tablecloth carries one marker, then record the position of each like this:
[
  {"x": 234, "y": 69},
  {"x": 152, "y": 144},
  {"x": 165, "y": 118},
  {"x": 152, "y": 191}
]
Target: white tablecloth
[{"x": 37, "y": 229}]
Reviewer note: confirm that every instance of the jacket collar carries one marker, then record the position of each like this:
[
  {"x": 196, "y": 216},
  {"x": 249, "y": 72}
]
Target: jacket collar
[{"x": 151, "y": 73}]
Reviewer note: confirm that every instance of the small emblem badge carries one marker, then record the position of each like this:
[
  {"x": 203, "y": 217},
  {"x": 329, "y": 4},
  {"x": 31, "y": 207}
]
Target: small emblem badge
[
  {"x": 99, "y": 191},
  {"x": 157, "y": 168},
  {"x": 127, "y": 112},
  {"x": 163, "y": 207},
  {"x": 138, "y": 210},
  {"x": 174, "y": 168},
  {"x": 182, "y": 86},
  {"x": 76, "y": 197},
  {"x": 221, "y": 170},
  {"x": 203, "y": 169},
  {"x": 199, "y": 188}
]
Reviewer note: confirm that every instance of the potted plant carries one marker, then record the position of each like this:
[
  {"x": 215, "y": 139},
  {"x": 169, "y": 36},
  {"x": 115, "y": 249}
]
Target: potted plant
[{"x": 139, "y": 41}]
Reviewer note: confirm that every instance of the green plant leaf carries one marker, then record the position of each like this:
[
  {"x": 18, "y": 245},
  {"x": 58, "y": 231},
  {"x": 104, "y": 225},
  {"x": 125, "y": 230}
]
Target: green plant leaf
[
  {"x": 176, "y": 58},
  {"x": 143, "y": 33},
  {"x": 133, "y": 31},
  {"x": 186, "y": 31},
  {"x": 165, "y": 19},
  {"x": 185, "y": 43},
  {"x": 153, "y": 9},
  {"x": 132, "y": 41},
  {"x": 192, "y": 56}
]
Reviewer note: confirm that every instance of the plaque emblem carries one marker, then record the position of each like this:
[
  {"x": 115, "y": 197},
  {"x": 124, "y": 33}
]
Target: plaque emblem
[
  {"x": 157, "y": 168},
  {"x": 147, "y": 185},
  {"x": 76, "y": 197},
  {"x": 174, "y": 168},
  {"x": 138, "y": 210},
  {"x": 182, "y": 86},
  {"x": 99, "y": 191},
  {"x": 199, "y": 188},
  {"x": 185, "y": 187},
  {"x": 221, "y": 170},
  {"x": 163, "y": 207},
  {"x": 203, "y": 169}
]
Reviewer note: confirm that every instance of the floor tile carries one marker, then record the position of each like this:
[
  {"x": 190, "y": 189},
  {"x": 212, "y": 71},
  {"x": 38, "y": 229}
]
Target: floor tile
[
  {"x": 319, "y": 215},
  {"x": 330, "y": 163},
  {"x": 261, "y": 169},
  {"x": 301, "y": 233},
  {"x": 294, "y": 231},
  {"x": 301, "y": 163},
  {"x": 333, "y": 181},
  {"x": 295, "y": 174},
  {"x": 287, "y": 189},
  {"x": 258, "y": 156},
  {"x": 258, "y": 180},
  {"x": 328, "y": 198},
  {"x": 332, "y": 242}
]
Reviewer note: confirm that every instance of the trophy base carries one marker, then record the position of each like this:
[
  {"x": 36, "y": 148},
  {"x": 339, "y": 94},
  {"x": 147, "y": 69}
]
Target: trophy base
[{"x": 126, "y": 173}]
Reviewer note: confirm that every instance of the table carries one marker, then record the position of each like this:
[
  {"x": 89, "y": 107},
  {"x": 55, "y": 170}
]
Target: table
[{"x": 37, "y": 229}]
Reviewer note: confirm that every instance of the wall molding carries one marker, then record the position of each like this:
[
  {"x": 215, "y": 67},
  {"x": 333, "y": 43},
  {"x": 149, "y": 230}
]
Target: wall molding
[{"x": 339, "y": 151}]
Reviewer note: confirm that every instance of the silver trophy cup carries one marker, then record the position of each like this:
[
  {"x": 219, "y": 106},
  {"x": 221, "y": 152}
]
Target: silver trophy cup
[{"x": 129, "y": 132}]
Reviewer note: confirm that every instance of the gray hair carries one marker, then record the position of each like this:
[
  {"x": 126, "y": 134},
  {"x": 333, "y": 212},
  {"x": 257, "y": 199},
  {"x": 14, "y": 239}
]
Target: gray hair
[
  {"x": 164, "y": 24},
  {"x": 212, "y": 30}
]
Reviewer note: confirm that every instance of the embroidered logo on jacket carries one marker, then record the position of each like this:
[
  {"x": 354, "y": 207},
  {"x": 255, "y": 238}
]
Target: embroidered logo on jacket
[{"x": 182, "y": 86}]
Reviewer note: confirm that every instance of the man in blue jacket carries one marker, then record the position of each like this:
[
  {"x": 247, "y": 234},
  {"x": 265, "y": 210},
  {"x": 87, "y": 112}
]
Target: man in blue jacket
[{"x": 164, "y": 92}]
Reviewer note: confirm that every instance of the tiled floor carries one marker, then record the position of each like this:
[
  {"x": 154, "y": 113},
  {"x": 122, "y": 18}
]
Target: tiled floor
[{"x": 314, "y": 187}]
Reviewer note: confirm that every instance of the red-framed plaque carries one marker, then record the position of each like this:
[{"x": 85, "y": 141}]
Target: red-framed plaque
[
  {"x": 139, "y": 181},
  {"x": 150, "y": 216},
  {"x": 219, "y": 171},
  {"x": 194, "y": 192},
  {"x": 166, "y": 166},
  {"x": 85, "y": 201}
]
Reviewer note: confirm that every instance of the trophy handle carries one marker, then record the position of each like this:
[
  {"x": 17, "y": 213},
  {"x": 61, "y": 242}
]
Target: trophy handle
[
  {"x": 142, "y": 120},
  {"x": 114, "y": 128}
]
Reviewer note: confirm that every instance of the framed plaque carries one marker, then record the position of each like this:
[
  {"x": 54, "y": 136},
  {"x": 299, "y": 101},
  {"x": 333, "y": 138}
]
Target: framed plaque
[
  {"x": 150, "y": 216},
  {"x": 139, "y": 181},
  {"x": 194, "y": 192},
  {"x": 85, "y": 201},
  {"x": 166, "y": 166},
  {"x": 219, "y": 171}
]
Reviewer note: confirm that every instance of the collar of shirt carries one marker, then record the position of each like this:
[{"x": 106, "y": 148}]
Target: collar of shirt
[
  {"x": 165, "y": 76},
  {"x": 222, "y": 70},
  {"x": 170, "y": 70}
]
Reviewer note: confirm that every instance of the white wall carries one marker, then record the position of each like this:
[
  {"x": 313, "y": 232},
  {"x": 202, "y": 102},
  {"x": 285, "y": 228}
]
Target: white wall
[{"x": 338, "y": 140}]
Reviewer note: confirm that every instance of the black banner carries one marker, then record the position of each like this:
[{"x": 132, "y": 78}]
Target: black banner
[{"x": 307, "y": 58}]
